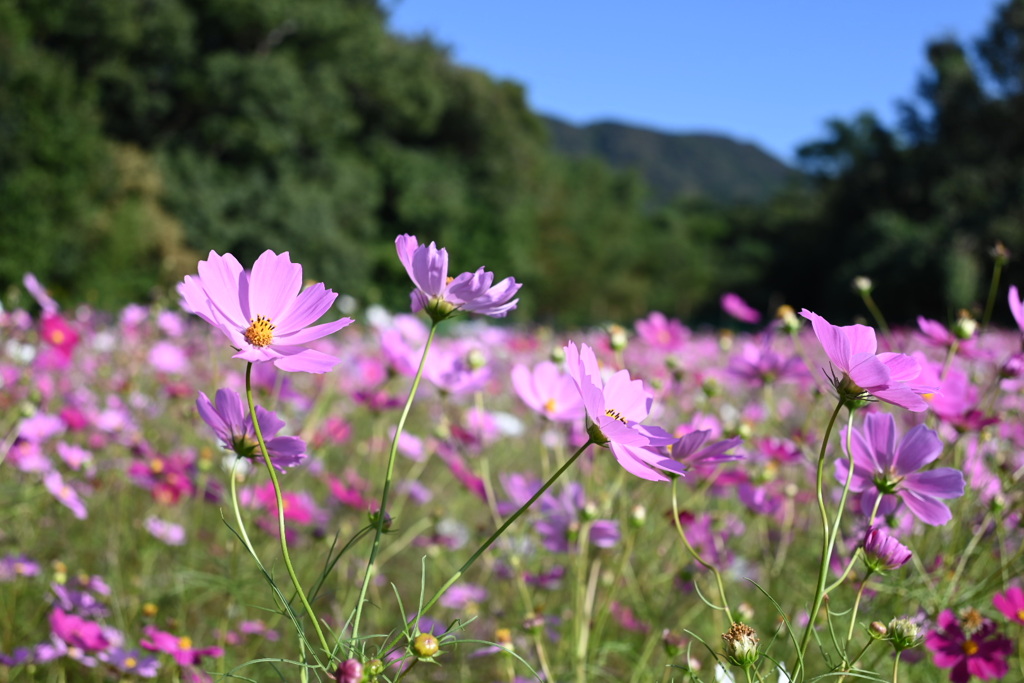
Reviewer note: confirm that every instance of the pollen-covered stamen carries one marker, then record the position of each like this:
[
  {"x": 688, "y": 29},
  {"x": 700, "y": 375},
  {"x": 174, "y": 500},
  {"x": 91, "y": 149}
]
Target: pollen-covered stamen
[
  {"x": 260, "y": 332},
  {"x": 550, "y": 405},
  {"x": 615, "y": 415}
]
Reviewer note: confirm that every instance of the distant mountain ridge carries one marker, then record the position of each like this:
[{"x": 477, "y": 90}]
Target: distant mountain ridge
[{"x": 676, "y": 165}]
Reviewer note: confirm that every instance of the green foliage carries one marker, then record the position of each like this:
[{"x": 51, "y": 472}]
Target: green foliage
[{"x": 306, "y": 126}]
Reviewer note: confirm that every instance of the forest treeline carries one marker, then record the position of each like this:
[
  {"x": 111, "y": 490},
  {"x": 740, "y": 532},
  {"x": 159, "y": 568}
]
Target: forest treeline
[{"x": 136, "y": 135}]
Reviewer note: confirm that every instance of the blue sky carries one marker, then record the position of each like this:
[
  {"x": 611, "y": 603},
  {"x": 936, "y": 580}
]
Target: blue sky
[{"x": 769, "y": 72}]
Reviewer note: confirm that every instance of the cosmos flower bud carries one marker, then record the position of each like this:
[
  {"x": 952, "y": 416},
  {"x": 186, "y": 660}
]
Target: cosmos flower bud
[
  {"x": 374, "y": 667},
  {"x": 965, "y": 326},
  {"x": 387, "y": 520},
  {"x": 884, "y": 553},
  {"x": 787, "y": 316},
  {"x": 999, "y": 253},
  {"x": 637, "y": 516},
  {"x": 877, "y": 629},
  {"x": 862, "y": 284},
  {"x": 672, "y": 643},
  {"x": 741, "y": 645},
  {"x": 425, "y": 645},
  {"x": 904, "y": 633},
  {"x": 350, "y": 671},
  {"x": 617, "y": 337}
]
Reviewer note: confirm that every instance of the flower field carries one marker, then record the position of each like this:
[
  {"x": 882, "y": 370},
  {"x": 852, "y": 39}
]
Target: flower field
[{"x": 193, "y": 491}]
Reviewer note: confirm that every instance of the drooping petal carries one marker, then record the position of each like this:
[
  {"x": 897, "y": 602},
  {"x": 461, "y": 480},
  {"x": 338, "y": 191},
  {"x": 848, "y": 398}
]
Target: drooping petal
[
  {"x": 634, "y": 465},
  {"x": 929, "y": 510},
  {"x": 307, "y": 308},
  {"x": 298, "y": 359}
]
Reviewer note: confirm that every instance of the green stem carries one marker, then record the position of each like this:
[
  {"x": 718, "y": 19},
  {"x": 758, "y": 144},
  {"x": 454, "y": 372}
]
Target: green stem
[
  {"x": 876, "y": 313},
  {"x": 896, "y": 667},
  {"x": 508, "y": 522},
  {"x": 693, "y": 551},
  {"x": 280, "y": 512},
  {"x": 382, "y": 510},
  {"x": 856, "y": 608},
  {"x": 827, "y": 542},
  {"x": 993, "y": 288}
]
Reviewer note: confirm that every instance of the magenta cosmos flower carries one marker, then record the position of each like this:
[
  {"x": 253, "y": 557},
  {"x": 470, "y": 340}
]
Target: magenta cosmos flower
[
  {"x": 1011, "y": 604},
  {"x": 883, "y": 467},
  {"x": 615, "y": 409},
  {"x": 266, "y": 314},
  {"x": 440, "y": 295},
  {"x": 969, "y": 646},
  {"x": 231, "y": 422},
  {"x": 886, "y": 376}
]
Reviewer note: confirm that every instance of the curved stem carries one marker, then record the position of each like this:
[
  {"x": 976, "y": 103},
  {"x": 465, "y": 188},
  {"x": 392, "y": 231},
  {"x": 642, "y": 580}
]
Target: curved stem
[
  {"x": 827, "y": 541},
  {"x": 382, "y": 510},
  {"x": 508, "y": 522},
  {"x": 280, "y": 512},
  {"x": 693, "y": 551},
  {"x": 856, "y": 607}
]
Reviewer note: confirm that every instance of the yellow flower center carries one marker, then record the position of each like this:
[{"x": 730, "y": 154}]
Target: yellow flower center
[
  {"x": 131, "y": 662},
  {"x": 57, "y": 337},
  {"x": 185, "y": 643},
  {"x": 615, "y": 415},
  {"x": 970, "y": 647},
  {"x": 550, "y": 405},
  {"x": 1020, "y": 615},
  {"x": 260, "y": 332}
]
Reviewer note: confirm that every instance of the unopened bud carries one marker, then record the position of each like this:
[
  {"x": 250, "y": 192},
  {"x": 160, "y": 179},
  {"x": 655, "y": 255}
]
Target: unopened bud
[
  {"x": 475, "y": 359},
  {"x": 618, "y": 338},
  {"x": 1000, "y": 254},
  {"x": 862, "y": 284},
  {"x": 425, "y": 645},
  {"x": 350, "y": 671},
  {"x": 741, "y": 645},
  {"x": 904, "y": 633},
  {"x": 387, "y": 521},
  {"x": 965, "y": 325},
  {"x": 786, "y": 314},
  {"x": 637, "y": 516}
]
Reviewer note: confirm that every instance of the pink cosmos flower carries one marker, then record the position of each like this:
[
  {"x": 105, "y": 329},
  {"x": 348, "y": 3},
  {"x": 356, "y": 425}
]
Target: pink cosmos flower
[
  {"x": 63, "y": 492},
  {"x": 548, "y": 391},
  {"x": 661, "y": 332},
  {"x": 883, "y": 467},
  {"x": 180, "y": 648},
  {"x": 231, "y": 422},
  {"x": 969, "y": 646},
  {"x": 263, "y": 313},
  {"x": 440, "y": 295},
  {"x": 1011, "y": 604},
  {"x": 615, "y": 409},
  {"x": 76, "y": 631},
  {"x": 734, "y": 305},
  {"x": 886, "y": 376}
]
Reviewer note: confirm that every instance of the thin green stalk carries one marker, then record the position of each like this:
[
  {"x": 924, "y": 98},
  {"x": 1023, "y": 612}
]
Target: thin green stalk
[
  {"x": 280, "y": 512},
  {"x": 896, "y": 667},
  {"x": 993, "y": 288},
  {"x": 876, "y": 313},
  {"x": 693, "y": 551},
  {"x": 508, "y": 522},
  {"x": 856, "y": 608},
  {"x": 382, "y": 510},
  {"x": 826, "y": 546}
]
